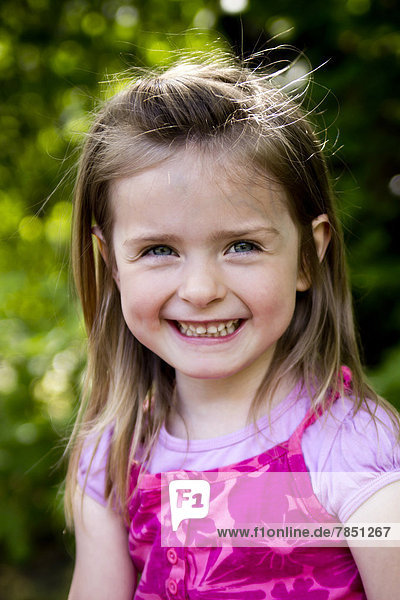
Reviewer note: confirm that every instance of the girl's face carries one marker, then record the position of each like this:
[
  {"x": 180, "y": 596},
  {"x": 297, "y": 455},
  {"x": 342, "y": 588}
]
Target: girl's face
[{"x": 207, "y": 268}]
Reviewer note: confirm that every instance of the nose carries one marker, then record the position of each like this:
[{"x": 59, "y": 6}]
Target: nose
[{"x": 201, "y": 285}]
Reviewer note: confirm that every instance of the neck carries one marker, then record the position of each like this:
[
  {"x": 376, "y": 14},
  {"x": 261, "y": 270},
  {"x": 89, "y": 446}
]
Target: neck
[{"x": 207, "y": 408}]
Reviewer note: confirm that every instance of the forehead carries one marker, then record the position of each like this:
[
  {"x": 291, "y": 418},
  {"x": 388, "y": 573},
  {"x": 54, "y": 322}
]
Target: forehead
[{"x": 194, "y": 184}]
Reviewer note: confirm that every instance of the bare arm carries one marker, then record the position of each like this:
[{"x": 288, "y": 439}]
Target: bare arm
[
  {"x": 379, "y": 567},
  {"x": 103, "y": 567}
]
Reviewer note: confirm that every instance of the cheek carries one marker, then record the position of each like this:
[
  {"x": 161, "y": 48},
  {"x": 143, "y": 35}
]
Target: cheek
[
  {"x": 140, "y": 302},
  {"x": 276, "y": 300}
]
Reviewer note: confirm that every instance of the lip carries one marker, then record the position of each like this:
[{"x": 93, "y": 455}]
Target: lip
[{"x": 208, "y": 341}]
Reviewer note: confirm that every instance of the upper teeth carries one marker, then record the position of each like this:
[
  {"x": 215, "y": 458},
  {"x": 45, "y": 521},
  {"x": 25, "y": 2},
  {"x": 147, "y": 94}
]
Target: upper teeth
[{"x": 213, "y": 329}]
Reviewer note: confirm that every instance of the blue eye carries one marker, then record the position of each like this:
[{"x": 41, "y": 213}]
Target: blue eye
[
  {"x": 240, "y": 247},
  {"x": 160, "y": 251}
]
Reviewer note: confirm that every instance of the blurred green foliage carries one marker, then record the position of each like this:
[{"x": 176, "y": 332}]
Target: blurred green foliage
[{"x": 52, "y": 56}]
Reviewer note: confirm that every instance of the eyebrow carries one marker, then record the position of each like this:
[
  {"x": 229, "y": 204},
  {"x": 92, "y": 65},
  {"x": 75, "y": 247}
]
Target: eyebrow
[{"x": 214, "y": 237}]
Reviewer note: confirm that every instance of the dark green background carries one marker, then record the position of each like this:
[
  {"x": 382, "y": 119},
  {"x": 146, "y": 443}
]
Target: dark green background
[{"x": 52, "y": 56}]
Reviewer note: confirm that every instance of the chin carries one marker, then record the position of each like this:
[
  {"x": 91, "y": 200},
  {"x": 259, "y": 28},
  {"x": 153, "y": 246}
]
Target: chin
[{"x": 207, "y": 373}]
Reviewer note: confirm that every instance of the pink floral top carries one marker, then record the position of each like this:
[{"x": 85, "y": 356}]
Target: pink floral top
[{"x": 240, "y": 573}]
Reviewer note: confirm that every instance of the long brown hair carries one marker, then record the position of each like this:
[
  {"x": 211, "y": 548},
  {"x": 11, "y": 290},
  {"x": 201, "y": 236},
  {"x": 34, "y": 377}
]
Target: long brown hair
[{"x": 213, "y": 105}]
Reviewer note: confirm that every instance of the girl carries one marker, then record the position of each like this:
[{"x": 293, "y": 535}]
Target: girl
[{"x": 219, "y": 315}]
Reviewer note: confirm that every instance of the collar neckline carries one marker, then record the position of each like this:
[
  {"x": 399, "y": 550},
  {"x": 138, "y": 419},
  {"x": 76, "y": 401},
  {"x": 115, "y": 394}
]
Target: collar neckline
[{"x": 171, "y": 442}]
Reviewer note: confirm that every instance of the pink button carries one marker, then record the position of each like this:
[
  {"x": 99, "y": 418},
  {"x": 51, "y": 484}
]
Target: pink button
[
  {"x": 172, "y": 557},
  {"x": 172, "y": 586}
]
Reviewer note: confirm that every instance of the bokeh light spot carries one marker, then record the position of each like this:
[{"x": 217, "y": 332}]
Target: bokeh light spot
[
  {"x": 358, "y": 7},
  {"x": 11, "y": 213},
  {"x": 295, "y": 78},
  {"x": 204, "y": 19},
  {"x": 6, "y": 54},
  {"x": 26, "y": 433},
  {"x": 30, "y": 228},
  {"x": 234, "y": 6},
  {"x": 394, "y": 185},
  {"x": 282, "y": 27},
  {"x": 8, "y": 378},
  {"x": 93, "y": 24},
  {"x": 28, "y": 57},
  {"x": 66, "y": 57},
  {"x": 57, "y": 227},
  {"x": 127, "y": 16}
]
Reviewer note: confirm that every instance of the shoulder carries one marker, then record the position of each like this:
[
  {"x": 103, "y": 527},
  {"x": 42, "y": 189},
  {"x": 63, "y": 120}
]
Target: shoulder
[
  {"x": 364, "y": 438},
  {"x": 93, "y": 464},
  {"x": 371, "y": 436},
  {"x": 352, "y": 454}
]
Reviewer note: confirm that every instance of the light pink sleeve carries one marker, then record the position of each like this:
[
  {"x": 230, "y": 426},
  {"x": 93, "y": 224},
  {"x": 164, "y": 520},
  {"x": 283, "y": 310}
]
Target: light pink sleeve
[
  {"x": 350, "y": 457},
  {"x": 92, "y": 466}
]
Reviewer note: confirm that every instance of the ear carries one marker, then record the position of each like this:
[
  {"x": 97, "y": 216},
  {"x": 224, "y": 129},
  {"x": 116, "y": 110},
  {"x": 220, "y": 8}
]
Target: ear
[
  {"x": 322, "y": 235},
  {"x": 102, "y": 246}
]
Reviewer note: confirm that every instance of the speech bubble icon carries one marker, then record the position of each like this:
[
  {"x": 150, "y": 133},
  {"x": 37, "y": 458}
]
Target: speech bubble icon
[{"x": 188, "y": 499}]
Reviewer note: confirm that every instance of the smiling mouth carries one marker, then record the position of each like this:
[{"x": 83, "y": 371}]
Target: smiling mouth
[{"x": 214, "y": 329}]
